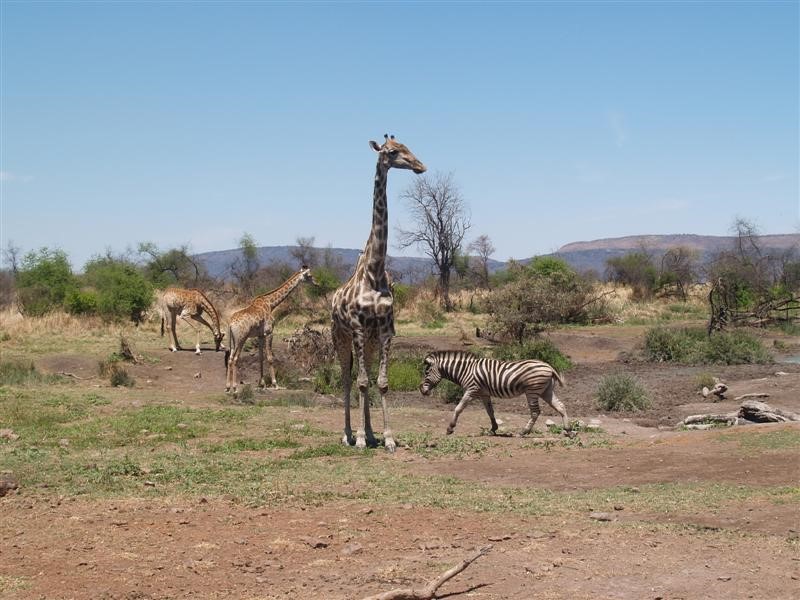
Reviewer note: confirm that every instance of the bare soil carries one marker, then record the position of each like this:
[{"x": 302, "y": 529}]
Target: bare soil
[{"x": 67, "y": 547}]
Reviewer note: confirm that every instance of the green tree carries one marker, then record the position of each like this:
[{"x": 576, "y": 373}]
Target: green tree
[
  {"x": 44, "y": 280},
  {"x": 121, "y": 289},
  {"x": 246, "y": 265},
  {"x": 171, "y": 267},
  {"x": 635, "y": 269}
]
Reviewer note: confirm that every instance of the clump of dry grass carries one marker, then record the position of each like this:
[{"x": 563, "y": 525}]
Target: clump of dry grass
[{"x": 16, "y": 324}]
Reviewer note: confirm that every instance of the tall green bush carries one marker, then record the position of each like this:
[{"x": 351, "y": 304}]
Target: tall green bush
[
  {"x": 44, "y": 280},
  {"x": 694, "y": 346},
  {"x": 536, "y": 349},
  {"x": 121, "y": 290}
]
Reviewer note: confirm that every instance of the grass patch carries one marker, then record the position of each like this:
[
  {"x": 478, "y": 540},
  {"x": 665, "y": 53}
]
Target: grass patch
[
  {"x": 694, "y": 346},
  {"x": 620, "y": 392},
  {"x": 784, "y": 439},
  {"x": 429, "y": 445},
  {"x": 250, "y": 445},
  {"x": 332, "y": 449},
  {"x": 23, "y": 373}
]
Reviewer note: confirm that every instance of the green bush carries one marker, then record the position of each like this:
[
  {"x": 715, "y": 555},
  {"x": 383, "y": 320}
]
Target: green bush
[
  {"x": 327, "y": 281},
  {"x": 405, "y": 373},
  {"x": 44, "y": 280},
  {"x": 430, "y": 314},
  {"x": 118, "y": 376},
  {"x": 619, "y": 392},
  {"x": 694, "y": 346},
  {"x": 536, "y": 349},
  {"x": 79, "y": 302},
  {"x": 122, "y": 291}
]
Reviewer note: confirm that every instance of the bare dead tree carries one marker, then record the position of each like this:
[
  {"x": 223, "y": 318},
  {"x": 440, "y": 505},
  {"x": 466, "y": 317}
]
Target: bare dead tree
[
  {"x": 304, "y": 252},
  {"x": 482, "y": 248},
  {"x": 440, "y": 221},
  {"x": 679, "y": 269}
]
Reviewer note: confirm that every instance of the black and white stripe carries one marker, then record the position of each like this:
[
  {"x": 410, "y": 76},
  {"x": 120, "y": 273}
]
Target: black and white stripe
[{"x": 486, "y": 377}]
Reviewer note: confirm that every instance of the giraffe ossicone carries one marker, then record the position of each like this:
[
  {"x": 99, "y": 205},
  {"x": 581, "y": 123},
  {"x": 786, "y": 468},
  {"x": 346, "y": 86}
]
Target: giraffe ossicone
[{"x": 362, "y": 311}]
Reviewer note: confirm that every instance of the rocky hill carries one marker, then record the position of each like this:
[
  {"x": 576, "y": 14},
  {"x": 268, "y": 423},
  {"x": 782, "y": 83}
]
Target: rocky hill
[{"x": 582, "y": 256}]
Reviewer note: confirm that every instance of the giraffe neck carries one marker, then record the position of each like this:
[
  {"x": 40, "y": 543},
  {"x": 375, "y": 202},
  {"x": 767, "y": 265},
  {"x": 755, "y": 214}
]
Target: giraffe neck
[
  {"x": 211, "y": 311},
  {"x": 374, "y": 259},
  {"x": 278, "y": 295}
]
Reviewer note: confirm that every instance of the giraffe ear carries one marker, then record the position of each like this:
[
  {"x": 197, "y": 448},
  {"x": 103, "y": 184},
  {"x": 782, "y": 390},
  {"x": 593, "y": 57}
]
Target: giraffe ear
[{"x": 374, "y": 145}]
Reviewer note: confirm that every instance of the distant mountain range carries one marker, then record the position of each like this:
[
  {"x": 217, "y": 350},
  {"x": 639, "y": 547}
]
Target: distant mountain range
[{"x": 582, "y": 256}]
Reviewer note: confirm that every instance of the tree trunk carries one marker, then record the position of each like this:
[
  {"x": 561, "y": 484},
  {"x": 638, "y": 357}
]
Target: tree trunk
[{"x": 444, "y": 289}]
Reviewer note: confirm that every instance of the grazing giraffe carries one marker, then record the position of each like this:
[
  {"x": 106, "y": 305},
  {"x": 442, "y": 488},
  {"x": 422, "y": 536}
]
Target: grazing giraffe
[
  {"x": 362, "y": 313},
  {"x": 258, "y": 319},
  {"x": 188, "y": 304}
]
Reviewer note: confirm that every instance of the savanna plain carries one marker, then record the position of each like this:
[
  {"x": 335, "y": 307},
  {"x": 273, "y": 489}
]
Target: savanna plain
[{"x": 168, "y": 488}]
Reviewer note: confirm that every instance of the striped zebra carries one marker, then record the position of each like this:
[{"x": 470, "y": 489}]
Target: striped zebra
[{"x": 486, "y": 377}]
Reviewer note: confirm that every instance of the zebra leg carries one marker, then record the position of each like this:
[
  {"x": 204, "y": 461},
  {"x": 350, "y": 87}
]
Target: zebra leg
[
  {"x": 549, "y": 396},
  {"x": 487, "y": 404},
  {"x": 461, "y": 406},
  {"x": 383, "y": 387},
  {"x": 533, "y": 406}
]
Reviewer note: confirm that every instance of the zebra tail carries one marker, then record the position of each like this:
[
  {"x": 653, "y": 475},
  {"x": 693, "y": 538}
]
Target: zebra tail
[{"x": 559, "y": 377}]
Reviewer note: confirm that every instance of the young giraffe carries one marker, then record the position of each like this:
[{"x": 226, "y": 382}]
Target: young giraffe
[
  {"x": 258, "y": 319},
  {"x": 188, "y": 304},
  {"x": 362, "y": 313}
]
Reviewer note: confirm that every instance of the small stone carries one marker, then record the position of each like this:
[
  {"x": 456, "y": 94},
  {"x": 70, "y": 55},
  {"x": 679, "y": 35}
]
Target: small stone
[
  {"x": 63, "y": 442},
  {"x": 705, "y": 391},
  {"x": 351, "y": 548},
  {"x": 198, "y": 375},
  {"x": 314, "y": 542},
  {"x": 601, "y": 516},
  {"x": 618, "y": 507},
  {"x": 408, "y": 506},
  {"x": 499, "y": 538},
  {"x": 150, "y": 483},
  {"x": 549, "y": 423},
  {"x": 724, "y": 578},
  {"x": 168, "y": 368},
  {"x": 8, "y": 434},
  {"x": 367, "y": 511},
  {"x": 182, "y": 426}
]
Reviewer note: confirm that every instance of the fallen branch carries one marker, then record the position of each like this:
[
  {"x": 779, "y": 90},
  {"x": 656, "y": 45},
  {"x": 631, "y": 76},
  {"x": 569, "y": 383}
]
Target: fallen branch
[
  {"x": 429, "y": 591},
  {"x": 760, "y": 412},
  {"x": 66, "y": 374},
  {"x": 755, "y": 395}
]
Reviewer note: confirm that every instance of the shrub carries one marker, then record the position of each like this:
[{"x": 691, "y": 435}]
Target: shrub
[
  {"x": 44, "y": 280},
  {"x": 121, "y": 290},
  {"x": 694, "y": 346},
  {"x": 118, "y": 376},
  {"x": 13, "y": 372},
  {"x": 80, "y": 302},
  {"x": 536, "y": 349},
  {"x": 702, "y": 380},
  {"x": 405, "y": 373},
  {"x": 619, "y": 392},
  {"x": 430, "y": 314}
]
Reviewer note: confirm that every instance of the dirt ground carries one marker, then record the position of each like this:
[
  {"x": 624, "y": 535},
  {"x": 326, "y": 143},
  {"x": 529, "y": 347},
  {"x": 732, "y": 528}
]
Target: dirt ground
[{"x": 143, "y": 548}]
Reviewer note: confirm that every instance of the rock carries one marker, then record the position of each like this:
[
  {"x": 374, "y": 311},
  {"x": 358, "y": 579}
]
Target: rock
[
  {"x": 198, "y": 375},
  {"x": 7, "y": 483},
  {"x": 499, "y": 538},
  {"x": 549, "y": 423},
  {"x": 351, "y": 548},
  {"x": 8, "y": 434},
  {"x": 601, "y": 516},
  {"x": 314, "y": 542},
  {"x": 63, "y": 442},
  {"x": 705, "y": 391}
]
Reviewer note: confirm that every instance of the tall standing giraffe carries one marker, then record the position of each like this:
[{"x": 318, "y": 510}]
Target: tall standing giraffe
[
  {"x": 362, "y": 309},
  {"x": 258, "y": 319},
  {"x": 188, "y": 304}
]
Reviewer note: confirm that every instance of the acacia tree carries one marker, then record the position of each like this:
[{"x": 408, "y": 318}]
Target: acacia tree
[
  {"x": 440, "y": 221},
  {"x": 482, "y": 248},
  {"x": 245, "y": 267},
  {"x": 175, "y": 266},
  {"x": 678, "y": 269}
]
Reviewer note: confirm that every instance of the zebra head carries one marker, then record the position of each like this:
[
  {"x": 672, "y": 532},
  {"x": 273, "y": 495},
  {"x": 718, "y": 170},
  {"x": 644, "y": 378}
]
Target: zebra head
[{"x": 432, "y": 375}]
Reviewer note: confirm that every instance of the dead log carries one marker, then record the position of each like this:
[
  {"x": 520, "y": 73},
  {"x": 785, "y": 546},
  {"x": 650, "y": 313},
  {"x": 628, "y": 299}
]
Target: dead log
[
  {"x": 708, "y": 421},
  {"x": 747, "y": 396},
  {"x": 761, "y": 412},
  {"x": 429, "y": 591}
]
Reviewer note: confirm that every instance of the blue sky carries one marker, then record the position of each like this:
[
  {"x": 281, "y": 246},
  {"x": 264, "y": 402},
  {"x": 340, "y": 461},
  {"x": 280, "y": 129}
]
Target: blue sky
[{"x": 191, "y": 123}]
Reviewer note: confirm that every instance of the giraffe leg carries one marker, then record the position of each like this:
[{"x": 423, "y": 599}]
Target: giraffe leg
[
  {"x": 261, "y": 341},
  {"x": 487, "y": 404},
  {"x": 550, "y": 397},
  {"x": 271, "y": 360},
  {"x": 344, "y": 349},
  {"x": 173, "y": 318},
  {"x": 533, "y": 406},
  {"x": 233, "y": 371},
  {"x": 459, "y": 408},
  {"x": 185, "y": 319},
  {"x": 364, "y": 433},
  {"x": 200, "y": 319},
  {"x": 383, "y": 387}
]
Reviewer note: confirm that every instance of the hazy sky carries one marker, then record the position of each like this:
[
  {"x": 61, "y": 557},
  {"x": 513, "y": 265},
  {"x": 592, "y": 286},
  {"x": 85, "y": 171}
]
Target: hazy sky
[{"x": 190, "y": 122}]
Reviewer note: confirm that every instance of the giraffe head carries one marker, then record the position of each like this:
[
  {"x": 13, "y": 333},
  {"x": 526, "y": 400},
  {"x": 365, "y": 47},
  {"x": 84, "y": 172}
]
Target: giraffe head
[
  {"x": 218, "y": 340},
  {"x": 393, "y": 154}
]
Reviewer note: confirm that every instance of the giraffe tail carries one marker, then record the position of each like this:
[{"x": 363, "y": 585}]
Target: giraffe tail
[{"x": 162, "y": 324}]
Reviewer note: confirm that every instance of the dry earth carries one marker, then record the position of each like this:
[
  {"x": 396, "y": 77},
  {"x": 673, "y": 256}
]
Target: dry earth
[{"x": 145, "y": 547}]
